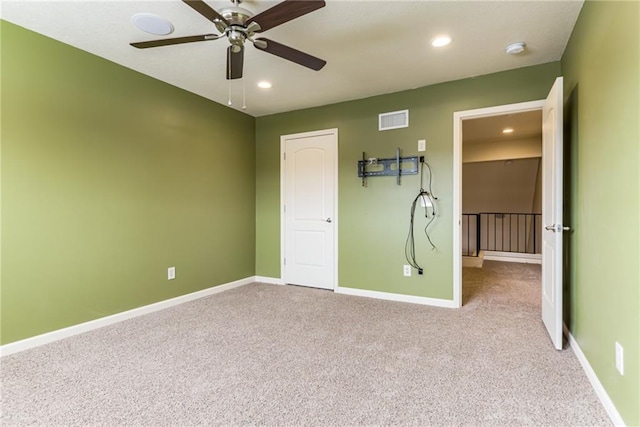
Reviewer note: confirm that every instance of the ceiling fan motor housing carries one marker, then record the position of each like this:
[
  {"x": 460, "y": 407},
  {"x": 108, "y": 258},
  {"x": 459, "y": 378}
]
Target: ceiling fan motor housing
[
  {"x": 236, "y": 15},
  {"x": 237, "y": 30}
]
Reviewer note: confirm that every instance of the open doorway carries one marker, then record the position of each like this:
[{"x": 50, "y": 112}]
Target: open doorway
[
  {"x": 502, "y": 188},
  {"x": 460, "y": 118},
  {"x": 502, "y": 208}
]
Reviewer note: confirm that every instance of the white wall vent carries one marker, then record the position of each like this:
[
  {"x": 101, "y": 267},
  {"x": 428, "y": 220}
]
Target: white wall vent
[{"x": 393, "y": 120}]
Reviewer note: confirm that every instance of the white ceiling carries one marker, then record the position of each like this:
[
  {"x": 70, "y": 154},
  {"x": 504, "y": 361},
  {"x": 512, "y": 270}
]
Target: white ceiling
[{"x": 371, "y": 47}]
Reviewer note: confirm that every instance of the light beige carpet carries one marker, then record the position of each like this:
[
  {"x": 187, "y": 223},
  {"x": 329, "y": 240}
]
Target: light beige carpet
[{"x": 284, "y": 355}]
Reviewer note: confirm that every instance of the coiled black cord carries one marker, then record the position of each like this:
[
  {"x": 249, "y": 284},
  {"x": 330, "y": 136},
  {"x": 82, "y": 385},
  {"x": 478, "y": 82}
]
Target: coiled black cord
[{"x": 410, "y": 246}]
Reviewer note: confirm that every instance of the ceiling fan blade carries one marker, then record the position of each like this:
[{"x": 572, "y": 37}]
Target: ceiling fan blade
[
  {"x": 290, "y": 54},
  {"x": 235, "y": 61},
  {"x": 283, "y": 12},
  {"x": 205, "y": 10},
  {"x": 177, "y": 40}
]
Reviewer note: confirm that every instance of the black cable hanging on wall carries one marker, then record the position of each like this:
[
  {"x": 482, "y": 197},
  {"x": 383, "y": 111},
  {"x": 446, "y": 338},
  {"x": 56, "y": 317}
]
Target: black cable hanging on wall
[{"x": 429, "y": 213}]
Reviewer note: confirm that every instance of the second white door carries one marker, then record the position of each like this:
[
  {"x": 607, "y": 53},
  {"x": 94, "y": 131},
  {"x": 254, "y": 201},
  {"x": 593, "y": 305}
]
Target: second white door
[
  {"x": 309, "y": 202},
  {"x": 552, "y": 213}
]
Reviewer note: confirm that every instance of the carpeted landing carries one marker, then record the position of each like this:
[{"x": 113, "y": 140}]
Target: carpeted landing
[{"x": 285, "y": 355}]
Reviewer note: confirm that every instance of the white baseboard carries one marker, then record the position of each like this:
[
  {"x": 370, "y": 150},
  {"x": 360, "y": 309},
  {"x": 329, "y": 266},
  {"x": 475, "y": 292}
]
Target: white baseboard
[
  {"x": 80, "y": 328},
  {"x": 269, "y": 280},
  {"x": 606, "y": 401},
  {"x": 373, "y": 294},
  {"x": 396, "y": 297},
  {"x": 513, "y": 257}
]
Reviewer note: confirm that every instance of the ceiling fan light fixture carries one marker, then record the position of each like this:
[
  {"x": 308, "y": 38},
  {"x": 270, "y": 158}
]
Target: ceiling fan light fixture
[
  {"x": 441, "y": 41},
  {"x": 152, "y": 24},
  {"x": 264, "y": 84}
]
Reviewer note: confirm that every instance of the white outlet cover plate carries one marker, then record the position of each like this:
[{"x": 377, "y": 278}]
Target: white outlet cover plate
[
  {"x": 422, "y": 145},
  {"x": 407, "y": 270},
  {"x": 171, "y": 273}
]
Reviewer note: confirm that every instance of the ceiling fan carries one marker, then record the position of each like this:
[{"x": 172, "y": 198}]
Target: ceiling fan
[{"x": 239, "y": 25}]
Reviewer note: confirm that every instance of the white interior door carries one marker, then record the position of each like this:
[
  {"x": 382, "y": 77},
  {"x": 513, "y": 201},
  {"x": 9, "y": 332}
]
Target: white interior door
[
  {"x": 309, "y": 196},
  {"x": 552, "y": 213}
]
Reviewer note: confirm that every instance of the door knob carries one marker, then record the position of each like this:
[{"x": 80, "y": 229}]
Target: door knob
[
  {"x": 557, "y": 228},
  {"x": 328, "y": 220}
]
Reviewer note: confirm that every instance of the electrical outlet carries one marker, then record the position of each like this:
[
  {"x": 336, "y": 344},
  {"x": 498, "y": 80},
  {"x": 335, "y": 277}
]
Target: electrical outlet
[
  {"x": 171, "y": 273},
  {"x": 619, "y": 358},
  {"x": 422, "y": 145},
  {"x": 407, "y": 270}
]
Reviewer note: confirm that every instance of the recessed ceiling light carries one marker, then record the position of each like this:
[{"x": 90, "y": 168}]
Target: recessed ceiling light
[
  {"x": 440, "y": 41},
  {"x": 515, "y": 48},
  {"x": 152, "y": 24},
  {"x": 507, "y": 130},
  {"x": 264, "y": 84}
]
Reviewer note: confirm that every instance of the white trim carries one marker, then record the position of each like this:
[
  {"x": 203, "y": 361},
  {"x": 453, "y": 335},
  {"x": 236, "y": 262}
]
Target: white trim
[
  {"x": 458, "y": 118},
  {"x": 91, "y": 325},
  {"x": 457, "y": 208},
  {"x": 283, "y": 189},
  {"x": 269, "y": 280},
  {"x": 283, "y": 139},
  {"x": 436, "y": 302},
  {"x": 513, "y": 257},
  {"x": 602, "y": 394}
]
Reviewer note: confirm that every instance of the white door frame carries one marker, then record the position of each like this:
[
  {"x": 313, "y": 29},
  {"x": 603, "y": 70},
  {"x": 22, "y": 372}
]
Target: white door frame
[
  {"x": 333, "y": 132},
  {"x": 458, "y": 118}
]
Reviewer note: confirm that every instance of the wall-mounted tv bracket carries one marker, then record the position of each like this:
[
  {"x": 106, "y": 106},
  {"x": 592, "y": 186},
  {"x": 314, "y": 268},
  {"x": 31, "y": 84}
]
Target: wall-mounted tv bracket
[{"x": 397, "y": 167}]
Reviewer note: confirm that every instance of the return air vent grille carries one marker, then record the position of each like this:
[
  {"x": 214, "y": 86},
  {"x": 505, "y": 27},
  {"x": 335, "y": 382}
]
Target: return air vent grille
[{"x": 393, "y": 120}]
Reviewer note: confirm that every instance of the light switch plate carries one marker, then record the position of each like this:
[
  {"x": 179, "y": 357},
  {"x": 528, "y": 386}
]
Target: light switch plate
[{"x": 619, "y": 358}]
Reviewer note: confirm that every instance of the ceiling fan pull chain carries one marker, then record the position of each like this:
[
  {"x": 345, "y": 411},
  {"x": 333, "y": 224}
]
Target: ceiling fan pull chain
[
  {"x": 244, "y": 96},
  {"x": 229, "y": 103}
]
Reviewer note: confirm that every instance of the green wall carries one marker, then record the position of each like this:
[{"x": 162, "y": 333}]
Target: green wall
[
  {"x": 109, "y": 177},
  {"x": 374, "y": 221},
  {"x": 602, "y": 85}
]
